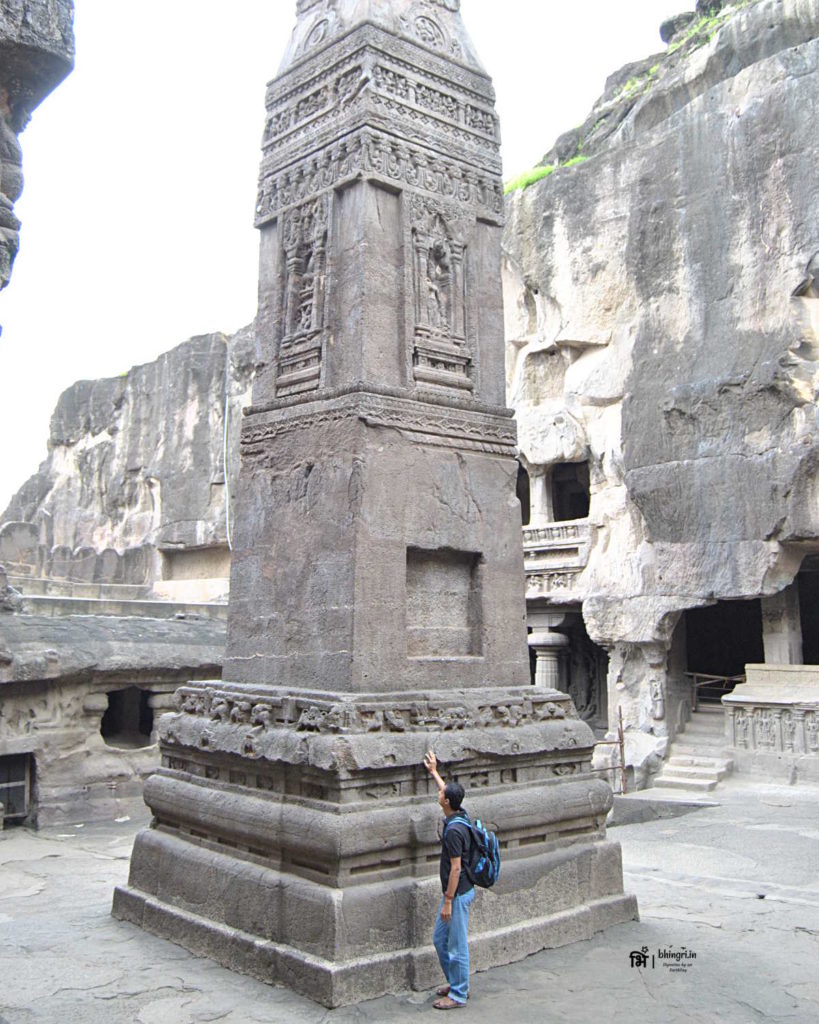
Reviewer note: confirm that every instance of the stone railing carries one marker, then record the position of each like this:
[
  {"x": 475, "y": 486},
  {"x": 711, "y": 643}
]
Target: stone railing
[{"x": 554, "y": 557}]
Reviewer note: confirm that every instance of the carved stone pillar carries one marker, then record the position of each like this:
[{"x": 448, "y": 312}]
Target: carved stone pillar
[
  {"x": 549, "y": 651},
  {"x": 540, "y": 498},
  {"x": 779, "y": 739},
  {"x": 377, "y": 599},
  {"x": 782, "y": 627}
]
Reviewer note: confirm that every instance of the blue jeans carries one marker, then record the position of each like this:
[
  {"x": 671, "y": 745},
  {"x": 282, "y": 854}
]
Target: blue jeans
[{"x": 449, "y": 939}]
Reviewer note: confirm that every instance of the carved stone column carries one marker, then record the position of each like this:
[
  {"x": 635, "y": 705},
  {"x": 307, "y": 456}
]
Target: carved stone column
[
  {"x": 549, "y": 651},
  {"x": 377, "y": 599},
  {"x": 782, "y": 627}
]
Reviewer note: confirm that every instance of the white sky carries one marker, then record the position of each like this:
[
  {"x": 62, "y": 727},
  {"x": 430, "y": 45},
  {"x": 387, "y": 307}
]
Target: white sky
[{"x": 141, "y": 174}]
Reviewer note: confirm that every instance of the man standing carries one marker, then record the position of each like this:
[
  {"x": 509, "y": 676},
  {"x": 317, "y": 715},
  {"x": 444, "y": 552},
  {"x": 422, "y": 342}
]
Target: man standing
[{"x": 453, "y": 918}]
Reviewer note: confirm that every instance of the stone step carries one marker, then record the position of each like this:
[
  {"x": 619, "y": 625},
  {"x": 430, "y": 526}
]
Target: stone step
[
  {"x": 31, "y": 586},
  {"x": 672, "y": 782},
  {"x": 53, "y": 607},
  {"x": 719, "y": 764},
  {"x": 718, "y": 750},
  {"x": 698, "y": 721},
  {"x": 702, "y": 735},
  {"x": 717, "y": 729},
  {"x": 694, "y": 771}
]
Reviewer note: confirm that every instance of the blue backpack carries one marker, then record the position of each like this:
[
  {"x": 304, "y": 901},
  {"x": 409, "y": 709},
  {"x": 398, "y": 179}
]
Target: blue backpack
[{"x": 484, "y": 862}]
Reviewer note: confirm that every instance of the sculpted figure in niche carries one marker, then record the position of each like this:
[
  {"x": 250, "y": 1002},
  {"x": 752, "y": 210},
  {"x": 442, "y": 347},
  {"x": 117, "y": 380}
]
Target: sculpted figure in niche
[
  {"x": 438, "y": 287},
  {"x": 657, "y": 700},
  {"x": 812, "y": 728},
  {"x": 790, "y": 732},
  {"x": 307, "y": 282}
]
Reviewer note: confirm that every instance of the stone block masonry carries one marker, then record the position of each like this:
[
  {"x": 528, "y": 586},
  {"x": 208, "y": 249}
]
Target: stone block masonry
[{"x": 377, "y": 586}]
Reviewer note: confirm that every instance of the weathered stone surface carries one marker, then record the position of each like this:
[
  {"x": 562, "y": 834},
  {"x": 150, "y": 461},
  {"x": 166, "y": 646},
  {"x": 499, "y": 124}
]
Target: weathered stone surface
[
  {"x": 36, "y": 53},
  {"x": 10, "y": 600},
  {"x": 659, "y": 312},
  {"x": 772, "y": 722},
  {"x": 134, "y": 488},
  {"x": 377, "y": 604},
  {"x": 56, "y": 678},
  {"x": 673, "y": 26}
]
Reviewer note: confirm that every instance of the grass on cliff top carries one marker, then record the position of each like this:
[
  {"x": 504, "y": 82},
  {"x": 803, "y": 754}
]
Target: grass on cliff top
[
  {"x": 538, "y": 174},
  {"x": 701, "y": 31}
]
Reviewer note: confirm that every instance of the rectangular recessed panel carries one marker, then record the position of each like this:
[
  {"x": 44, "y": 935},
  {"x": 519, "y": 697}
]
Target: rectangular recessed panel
[{"x": 443, "y": 604}]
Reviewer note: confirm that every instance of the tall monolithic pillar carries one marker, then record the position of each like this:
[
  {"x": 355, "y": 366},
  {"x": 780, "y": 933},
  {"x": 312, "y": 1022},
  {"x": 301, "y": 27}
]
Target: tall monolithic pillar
[{"x": 377, "y": 591}]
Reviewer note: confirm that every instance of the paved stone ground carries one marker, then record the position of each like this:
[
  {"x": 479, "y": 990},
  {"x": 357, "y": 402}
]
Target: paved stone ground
[{"x": 700, "y": 880}]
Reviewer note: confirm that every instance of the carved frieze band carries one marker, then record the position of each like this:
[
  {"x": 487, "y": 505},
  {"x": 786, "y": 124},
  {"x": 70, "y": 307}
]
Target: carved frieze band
[
  {"x": 370, "y": 44},
  {"x": 308, "y": 714},
  {"x": 425, "y": 423},
  {"x": 774, "y": 730},
  {"x": 372, "y": 154},
  {"x": 472, "y": 127},
  {"x": 543, "y": 582},
  {"x": 316, "y": 786}
]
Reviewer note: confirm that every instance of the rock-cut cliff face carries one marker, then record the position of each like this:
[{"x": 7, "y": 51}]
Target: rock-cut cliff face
[
  {"x": 135, "y": 477},
  {"x": 662, "y": 311}
]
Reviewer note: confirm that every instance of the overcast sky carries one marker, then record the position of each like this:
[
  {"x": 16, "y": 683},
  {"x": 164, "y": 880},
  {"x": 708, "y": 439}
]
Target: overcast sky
[{"x": 141, "y": 174}]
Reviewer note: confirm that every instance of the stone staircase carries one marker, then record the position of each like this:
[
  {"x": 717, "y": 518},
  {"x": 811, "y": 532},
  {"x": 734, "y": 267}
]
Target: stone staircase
[{"x": 697, "y": 760}]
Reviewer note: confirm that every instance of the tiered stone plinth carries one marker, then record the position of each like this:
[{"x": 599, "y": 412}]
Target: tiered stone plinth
[{"x": 296, "y": 835}]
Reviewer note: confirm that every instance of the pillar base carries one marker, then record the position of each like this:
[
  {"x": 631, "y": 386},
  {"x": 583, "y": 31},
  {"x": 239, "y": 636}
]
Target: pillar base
[
  {"x": 336, "y": 983},
  {"x": 304, "y": 851}
]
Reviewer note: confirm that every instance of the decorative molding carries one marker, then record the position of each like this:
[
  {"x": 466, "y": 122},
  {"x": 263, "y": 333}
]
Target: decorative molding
[
  {"x": 774, "y": 729},
  {"x": 370, "y": 43},
  {"x": 545, "y": 583},
  {"x": 421, "y": 422},
  {"x": 308, "y": 714},
  {"x": 371, "y": 154}
]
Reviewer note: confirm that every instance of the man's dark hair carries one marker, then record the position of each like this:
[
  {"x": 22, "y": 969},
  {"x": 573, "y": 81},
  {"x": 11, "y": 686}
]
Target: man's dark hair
[{"x": 454, "y": 793}]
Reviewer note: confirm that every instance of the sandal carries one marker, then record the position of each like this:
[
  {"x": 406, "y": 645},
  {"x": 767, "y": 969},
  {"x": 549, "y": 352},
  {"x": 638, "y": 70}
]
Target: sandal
[
  {"x": 444, "y": 991},
  {"x": 447, "y": 1004}
]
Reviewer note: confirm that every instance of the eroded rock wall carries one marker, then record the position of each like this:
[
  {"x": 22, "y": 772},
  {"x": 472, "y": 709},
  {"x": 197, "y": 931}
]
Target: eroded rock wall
[
  {"x": 134, "y": 487},
  {"x": 662, "y": 324},
  {"x": 36, "y": 53}
]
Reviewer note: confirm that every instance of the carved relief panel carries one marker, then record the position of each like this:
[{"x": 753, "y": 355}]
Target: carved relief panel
[
  {"x": 305, "y": 263},
  {"x": 441, "y": 355}
]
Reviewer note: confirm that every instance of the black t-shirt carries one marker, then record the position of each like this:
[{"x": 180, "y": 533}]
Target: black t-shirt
[{"x": 455, "y": 842}]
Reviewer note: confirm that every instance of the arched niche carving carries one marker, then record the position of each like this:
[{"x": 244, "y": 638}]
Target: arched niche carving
[{"x": 441, "y": 356}]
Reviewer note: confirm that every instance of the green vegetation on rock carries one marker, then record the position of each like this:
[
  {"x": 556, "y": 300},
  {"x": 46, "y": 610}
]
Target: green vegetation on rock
[
  {"x": 538, "y": 173},
  {"x": 528, "y": 178}
]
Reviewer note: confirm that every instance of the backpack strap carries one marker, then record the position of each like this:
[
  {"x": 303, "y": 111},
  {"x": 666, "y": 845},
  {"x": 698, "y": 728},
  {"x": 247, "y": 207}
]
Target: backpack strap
[{"x": 458, "y": 819}]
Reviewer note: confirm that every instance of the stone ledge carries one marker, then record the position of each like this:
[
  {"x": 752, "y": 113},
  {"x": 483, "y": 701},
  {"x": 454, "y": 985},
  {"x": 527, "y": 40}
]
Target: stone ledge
[{"x": 340, "y": 984}]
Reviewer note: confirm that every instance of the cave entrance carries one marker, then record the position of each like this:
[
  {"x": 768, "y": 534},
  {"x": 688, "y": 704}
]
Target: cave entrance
[
  {"x": 571, "y": 491},
  {"x": 808, "y": 584},
  {"x": 721, "y": 640},
  {"x": 586, "y": 674},
  {"x": 16, "y": 784},
  {"x": 129, "y": 720}
]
